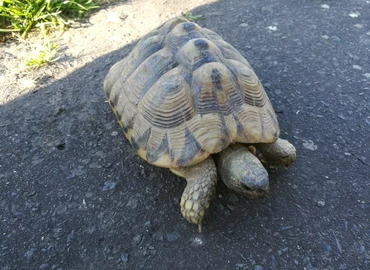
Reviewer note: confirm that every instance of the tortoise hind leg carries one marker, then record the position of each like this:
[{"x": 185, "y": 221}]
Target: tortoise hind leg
[
  {"x": 201, "y": 186},
  {"x": 281, "y": 152}
]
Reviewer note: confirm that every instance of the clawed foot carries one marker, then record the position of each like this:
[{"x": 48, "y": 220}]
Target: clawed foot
[
  {"x": 281, "y": 152},
  {"x": 201, "y": 186}
]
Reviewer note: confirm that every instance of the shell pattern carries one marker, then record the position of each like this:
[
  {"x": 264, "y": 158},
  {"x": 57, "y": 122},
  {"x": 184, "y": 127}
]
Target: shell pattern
[{"x": 184, "y": 93}]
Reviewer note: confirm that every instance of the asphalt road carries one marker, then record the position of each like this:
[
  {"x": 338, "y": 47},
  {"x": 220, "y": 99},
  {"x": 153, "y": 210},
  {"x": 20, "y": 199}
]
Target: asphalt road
[{"x": 74, "y": 195}]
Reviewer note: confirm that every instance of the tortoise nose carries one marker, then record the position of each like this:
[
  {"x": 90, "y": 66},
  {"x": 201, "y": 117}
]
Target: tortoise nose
[
  {"x": 254, "y": 193},
  {"x": 263, "y": 189},
  {"x": 256, "y": 180}
]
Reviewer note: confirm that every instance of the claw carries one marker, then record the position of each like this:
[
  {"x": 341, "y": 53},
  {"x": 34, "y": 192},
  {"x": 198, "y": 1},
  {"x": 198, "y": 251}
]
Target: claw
[
  {"x": 199, "y": 227},
  {"x": 252, "y": 149},
  {"x": 262, "y": 158}
]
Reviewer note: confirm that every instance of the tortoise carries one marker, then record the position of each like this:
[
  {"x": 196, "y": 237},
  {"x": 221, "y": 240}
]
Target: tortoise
[{"x": 189, "y": 101}]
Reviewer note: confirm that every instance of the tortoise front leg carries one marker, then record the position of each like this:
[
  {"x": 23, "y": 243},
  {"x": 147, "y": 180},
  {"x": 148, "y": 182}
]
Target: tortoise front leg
[
  {"x": 201, "y": 186},
  {"x": 281, "y": 152}
]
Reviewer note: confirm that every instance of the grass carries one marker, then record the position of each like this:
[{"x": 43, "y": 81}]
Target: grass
[
  {"x": 24, "y": 15},
  {"x": 42, "y": 54},
  {"x": 192, "y": 17}
]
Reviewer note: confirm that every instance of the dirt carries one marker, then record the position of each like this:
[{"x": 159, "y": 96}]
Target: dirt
[
  {"x": 74, "y": 195},
  {"x": 112, "y": 27}
]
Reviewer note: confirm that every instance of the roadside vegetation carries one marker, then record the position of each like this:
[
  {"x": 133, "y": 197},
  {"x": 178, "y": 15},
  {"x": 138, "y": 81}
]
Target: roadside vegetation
[
  {"x": 25, "y": 15},
  {"x": 19, "y": 18},
  {"x": 192, "y": 17},
  {"x": 45, "y": 20}
]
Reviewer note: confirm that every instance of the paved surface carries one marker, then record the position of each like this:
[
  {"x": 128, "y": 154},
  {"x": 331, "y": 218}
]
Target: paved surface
[{"x": 73, "y": 194}]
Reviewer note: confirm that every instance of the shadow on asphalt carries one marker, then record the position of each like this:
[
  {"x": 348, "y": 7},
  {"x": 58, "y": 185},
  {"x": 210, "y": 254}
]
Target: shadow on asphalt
[{"x": 74, "y": 195}]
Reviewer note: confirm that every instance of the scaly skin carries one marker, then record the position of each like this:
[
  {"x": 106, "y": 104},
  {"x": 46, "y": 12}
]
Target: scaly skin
[
  {"x": 281, "y": 152},
  {"x": 201, "y": 186},
  {"x": 242, "y": 171}
]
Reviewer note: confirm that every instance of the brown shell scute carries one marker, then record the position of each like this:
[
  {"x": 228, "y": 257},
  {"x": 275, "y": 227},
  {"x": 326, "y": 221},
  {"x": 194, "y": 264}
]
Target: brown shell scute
[
  {"x": 184, "y": 93},
  {"x": 165, "y": 108}
]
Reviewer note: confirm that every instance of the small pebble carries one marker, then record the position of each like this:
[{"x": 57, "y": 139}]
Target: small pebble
[
  {"x": 70, "y": 176},
  {"x": 310, "y": 145},
  {"x": 137, "y": 239},
  {"x": 258, "y": 267},
  {"x": 273, "y": 262},
  {"x": 133, "y": 202},
  {"x": 335, "y": 38},
  {"x": 172, "y": 236},
  {"x": 326, "y": 246},
  {"x": 70, "y": 236},
  {"x": 44, "y": 266},
  {"x": 158, "y": 236},
  {"x": 94, "y": 165},
  {"x": 109, "y": 186},
  {"x": 124, "y": 257},
  {"x": 309, "y": 266},
  {"x": 28, "y": 254},
  {"x": 113, "y": 17},
  {"x": 285, "y": 228},
  {"x": 325, "y": 6},
  {"x": 320, "y": 203},
  {"x": 107, "y": 165},
  {"x": 356, "y": 67},
  {"x": 196, "y": 241},
  {"x": 243, "y": 25},
  {"x": 338, "y": 244},
  {"x": 354, "y": 14},
  {"x": 362, "y": 248},
  {"x": 114, "y": 133}
]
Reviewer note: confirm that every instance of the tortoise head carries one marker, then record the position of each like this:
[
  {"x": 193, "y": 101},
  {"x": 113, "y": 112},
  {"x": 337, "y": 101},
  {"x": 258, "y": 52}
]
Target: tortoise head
[{"x": 242, "y": 172}]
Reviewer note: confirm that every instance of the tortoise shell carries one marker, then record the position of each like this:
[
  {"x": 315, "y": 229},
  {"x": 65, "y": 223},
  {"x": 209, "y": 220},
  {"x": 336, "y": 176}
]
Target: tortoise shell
[{"x": 184, "y": 93}]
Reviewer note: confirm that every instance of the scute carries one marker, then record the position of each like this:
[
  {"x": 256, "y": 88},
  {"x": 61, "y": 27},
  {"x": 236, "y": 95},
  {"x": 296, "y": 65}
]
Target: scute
[
  {"x": 184, "y": 93},
  {"x": 168, "y": 103}
]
